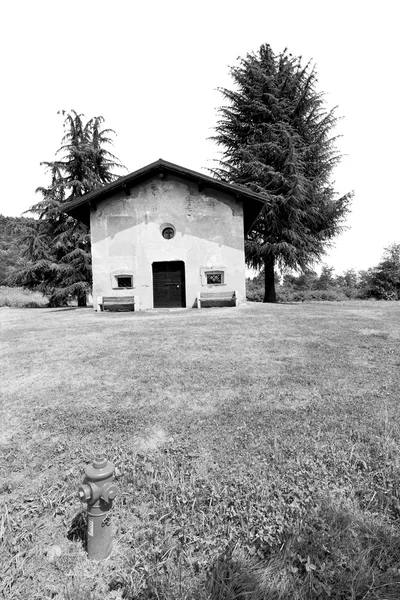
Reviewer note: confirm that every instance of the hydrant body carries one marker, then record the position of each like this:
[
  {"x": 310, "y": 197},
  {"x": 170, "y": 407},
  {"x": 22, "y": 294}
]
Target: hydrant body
[{"x": 99, "y": 491}]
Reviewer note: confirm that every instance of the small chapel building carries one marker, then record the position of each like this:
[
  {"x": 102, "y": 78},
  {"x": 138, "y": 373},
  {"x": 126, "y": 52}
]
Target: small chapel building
[{"x": 165, "y": 234}]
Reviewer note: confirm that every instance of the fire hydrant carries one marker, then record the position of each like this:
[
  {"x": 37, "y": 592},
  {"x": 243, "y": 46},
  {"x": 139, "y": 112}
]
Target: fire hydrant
[{"x": 99, "y": 491}]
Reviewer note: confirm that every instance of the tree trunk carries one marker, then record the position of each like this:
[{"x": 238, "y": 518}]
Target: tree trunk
[{"x": 270, "y": 294}]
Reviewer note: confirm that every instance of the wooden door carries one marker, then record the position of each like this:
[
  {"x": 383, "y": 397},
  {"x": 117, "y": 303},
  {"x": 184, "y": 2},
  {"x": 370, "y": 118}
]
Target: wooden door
[{"x": 169, "y": 284}]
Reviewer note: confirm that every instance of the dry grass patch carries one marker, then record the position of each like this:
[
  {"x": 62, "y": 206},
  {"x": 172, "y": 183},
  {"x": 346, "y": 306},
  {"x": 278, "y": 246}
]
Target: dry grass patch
[
  {"x": 257, "y": 451},
  {"x": 19, "y": 298}
]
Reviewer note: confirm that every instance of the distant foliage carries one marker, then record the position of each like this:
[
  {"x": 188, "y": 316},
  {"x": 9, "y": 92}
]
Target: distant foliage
[
  {"x": 381, "y": 283},
  {"x": 55, "y": 248}
]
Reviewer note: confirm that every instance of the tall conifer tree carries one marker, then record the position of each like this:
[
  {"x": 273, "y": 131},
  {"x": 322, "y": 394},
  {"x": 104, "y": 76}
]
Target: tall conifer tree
[
  {"x": 276, "y": 137},
  {"x": 56, "y": 247}
]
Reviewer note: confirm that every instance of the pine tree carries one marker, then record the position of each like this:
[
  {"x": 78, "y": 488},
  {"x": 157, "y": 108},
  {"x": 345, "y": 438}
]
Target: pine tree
[
  {"x": 275, "y": 134},
  {"x": 9, "y": 246},
  {"x": 56, "y": 257}
]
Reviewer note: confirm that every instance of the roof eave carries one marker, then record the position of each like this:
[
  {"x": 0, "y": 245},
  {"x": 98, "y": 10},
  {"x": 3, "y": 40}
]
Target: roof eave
[
  {"x": 80, "y": 208},
  {"x": 81, "y": 213}
]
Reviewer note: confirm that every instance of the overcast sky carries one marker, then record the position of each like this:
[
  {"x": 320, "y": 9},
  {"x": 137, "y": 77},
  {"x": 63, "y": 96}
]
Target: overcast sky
[{"x": 152, "y": 69}]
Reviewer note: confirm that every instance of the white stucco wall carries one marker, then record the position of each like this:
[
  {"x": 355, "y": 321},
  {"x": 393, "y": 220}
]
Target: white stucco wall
[{"x": 126, "y": 238}]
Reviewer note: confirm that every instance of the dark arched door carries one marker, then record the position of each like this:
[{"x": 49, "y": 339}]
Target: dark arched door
[{"x": 169, "y": 284}]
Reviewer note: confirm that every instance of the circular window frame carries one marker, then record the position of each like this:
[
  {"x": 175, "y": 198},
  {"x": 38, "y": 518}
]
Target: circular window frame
[{"x": 168, "y": 227}]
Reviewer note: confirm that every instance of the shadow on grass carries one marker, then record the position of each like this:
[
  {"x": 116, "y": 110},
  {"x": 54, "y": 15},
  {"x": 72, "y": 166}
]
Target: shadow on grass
[
  {"x": 64, "y": 308},
  {"x": 78, "y": 529},
  {"x": 233, "y": 578},
  {"x": 335, "y": 552}
]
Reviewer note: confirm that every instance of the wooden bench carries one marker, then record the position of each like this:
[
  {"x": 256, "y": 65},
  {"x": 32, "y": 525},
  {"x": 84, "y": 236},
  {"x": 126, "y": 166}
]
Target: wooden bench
[
  {"x": 118, "y": 303},
  {"x": 225, "y": 298}
]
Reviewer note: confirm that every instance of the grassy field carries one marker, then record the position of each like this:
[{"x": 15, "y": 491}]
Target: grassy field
[{"x": 257, "y": 451}]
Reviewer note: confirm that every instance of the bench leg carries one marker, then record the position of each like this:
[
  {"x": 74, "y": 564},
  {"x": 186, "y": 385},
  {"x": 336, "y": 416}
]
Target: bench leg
[{"x": 100, "y": 306}]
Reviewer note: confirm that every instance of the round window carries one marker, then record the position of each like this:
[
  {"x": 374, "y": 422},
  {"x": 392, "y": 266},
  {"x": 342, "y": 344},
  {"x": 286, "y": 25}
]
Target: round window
[{"x": 168, "y": 233}]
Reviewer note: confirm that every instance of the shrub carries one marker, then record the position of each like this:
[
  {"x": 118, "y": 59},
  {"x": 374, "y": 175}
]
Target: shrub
[
  {"x": 285, "y": 294},
  {"x": 255, "y": 294},
  {"x": 288, "y": 293}
]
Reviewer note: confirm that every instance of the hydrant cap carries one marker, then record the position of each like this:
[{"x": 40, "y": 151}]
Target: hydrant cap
[
  {"x": 100, "y": 461},
  {"x": 100, "y": 469}
]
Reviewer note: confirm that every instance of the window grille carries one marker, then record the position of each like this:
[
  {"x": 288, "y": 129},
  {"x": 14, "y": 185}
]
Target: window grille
[{"x": 214, "y": 278}]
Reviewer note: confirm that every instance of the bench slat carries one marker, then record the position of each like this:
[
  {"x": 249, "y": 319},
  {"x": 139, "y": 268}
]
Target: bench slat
[
  {"x": 118, "y": 300},
  {"x": 216, "y": 297},
  {"x": 118, "y": 303},
  {"x": 211, "y": 295}
]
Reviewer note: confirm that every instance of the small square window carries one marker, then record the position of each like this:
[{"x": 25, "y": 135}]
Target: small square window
[
  {"x": 213, "y": 275},
  {"x": 214, "y": 278},
  {"x": 124, "y": 281}
]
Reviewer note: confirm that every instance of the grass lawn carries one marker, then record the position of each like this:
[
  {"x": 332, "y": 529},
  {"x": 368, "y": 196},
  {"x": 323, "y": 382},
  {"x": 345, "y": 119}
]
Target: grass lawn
[{"x": 257, "y": 451}]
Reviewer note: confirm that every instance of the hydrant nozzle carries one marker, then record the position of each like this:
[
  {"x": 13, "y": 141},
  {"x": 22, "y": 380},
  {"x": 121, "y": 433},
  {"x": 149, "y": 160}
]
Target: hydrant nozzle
[
  {"x": 99, "y": 491},
  {"x": 84, "y": 492},
  {"x": 109, "y": 492}
]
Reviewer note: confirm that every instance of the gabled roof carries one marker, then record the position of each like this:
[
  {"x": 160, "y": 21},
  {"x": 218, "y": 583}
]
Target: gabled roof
[{"x": 252, "y": 202}]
